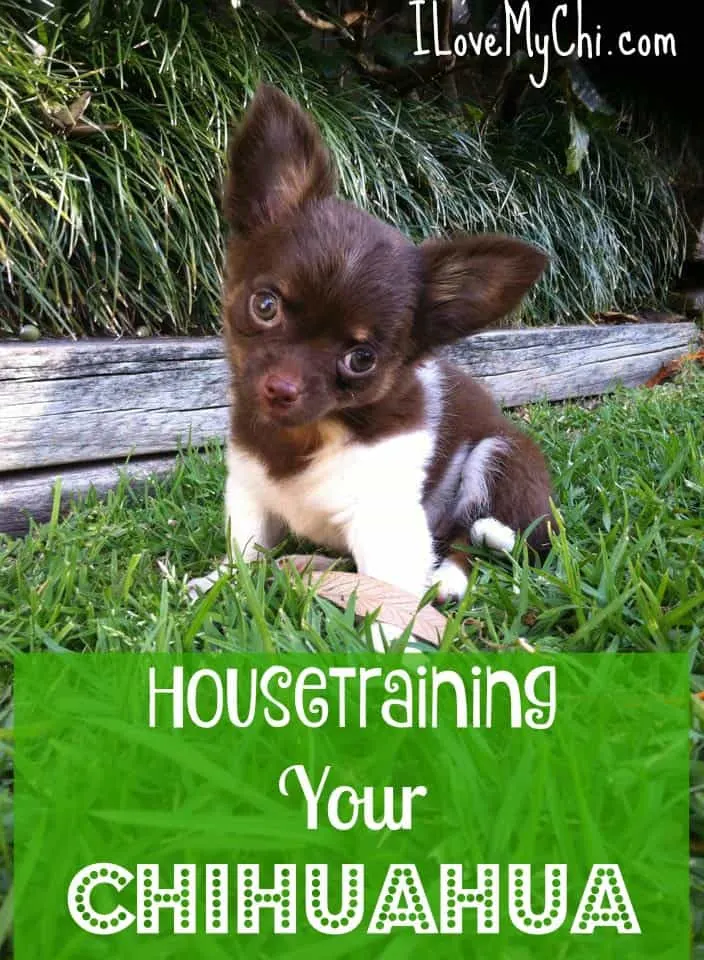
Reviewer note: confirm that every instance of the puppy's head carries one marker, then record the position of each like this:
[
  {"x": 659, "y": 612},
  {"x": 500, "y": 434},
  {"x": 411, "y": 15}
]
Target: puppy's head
[{"x": 325, "y": 307}]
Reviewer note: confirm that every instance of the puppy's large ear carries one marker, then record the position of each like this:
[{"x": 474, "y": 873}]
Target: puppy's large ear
[
  {"x": 469, "y": 282},
  {"x": 277, "y": 161}
]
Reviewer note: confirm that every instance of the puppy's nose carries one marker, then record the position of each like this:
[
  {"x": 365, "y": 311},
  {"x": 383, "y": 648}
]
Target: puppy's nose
[{"x": 281, "y": 389}]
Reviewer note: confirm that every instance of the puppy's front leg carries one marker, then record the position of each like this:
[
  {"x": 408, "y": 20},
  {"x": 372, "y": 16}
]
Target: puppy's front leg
[
  {"x": 249, "y": 525},
  {"x": 392, "y": 542}
]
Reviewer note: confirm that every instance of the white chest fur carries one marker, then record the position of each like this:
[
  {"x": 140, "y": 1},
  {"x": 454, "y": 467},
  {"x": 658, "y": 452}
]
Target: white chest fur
[
  {"x": 358, "y": 498},
  {"x": 344, "y": 480}
]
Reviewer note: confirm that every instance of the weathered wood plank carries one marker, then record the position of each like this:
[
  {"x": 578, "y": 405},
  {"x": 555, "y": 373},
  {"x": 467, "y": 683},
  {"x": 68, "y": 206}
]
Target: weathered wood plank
[
  {"x": 98, "y": 400},
  {"x": 20, "y": 399},
  {"x": 32, "y": 493},
  {"x": 554, "y": 348},
  {"x": 73, "y": 404},
  {"x": 525, "y": 365},
  {"x": 66, "y": 403},
  {"x": 101, "y": 435},
  {"x": 59, "y": 359}
]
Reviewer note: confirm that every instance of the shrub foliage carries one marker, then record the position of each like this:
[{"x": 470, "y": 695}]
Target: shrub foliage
[{"x": 112, "y": 138}]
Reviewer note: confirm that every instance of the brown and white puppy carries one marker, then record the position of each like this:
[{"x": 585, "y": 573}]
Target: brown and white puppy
[{"x": 344, "y": 428}]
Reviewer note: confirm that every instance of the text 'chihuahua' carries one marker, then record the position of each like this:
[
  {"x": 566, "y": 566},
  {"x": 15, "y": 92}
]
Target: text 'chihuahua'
[{"x": 344, "y": 428}]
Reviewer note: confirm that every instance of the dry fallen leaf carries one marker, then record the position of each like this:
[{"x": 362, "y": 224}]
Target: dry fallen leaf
[
  {"x": 353, "y": 17},
  {"x": 71, "y": 120},
  {"x": 396, "y": 607},
  {"x": 615, "y": 316},
  {"x": 669, "y": 370}
]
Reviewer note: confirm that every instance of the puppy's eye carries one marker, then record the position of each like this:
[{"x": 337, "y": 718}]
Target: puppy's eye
[
  {"x": 357, "y": 361},
  {"x": 264, "y": 306}
]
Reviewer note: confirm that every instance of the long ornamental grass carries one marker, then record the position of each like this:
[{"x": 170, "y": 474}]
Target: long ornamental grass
[{"x": 113, "y": 127}]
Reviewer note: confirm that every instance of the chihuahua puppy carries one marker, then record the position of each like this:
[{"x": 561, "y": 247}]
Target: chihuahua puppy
[{"x": 345, "y": 429}]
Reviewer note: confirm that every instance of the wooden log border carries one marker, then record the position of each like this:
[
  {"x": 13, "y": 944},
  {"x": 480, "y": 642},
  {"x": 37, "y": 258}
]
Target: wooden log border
[{"x": 79, "y": 409}]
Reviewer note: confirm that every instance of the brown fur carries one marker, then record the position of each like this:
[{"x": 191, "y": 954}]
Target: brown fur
[
  {"x": 520, "y": 487},
  {"x": 339, "y": 276}
]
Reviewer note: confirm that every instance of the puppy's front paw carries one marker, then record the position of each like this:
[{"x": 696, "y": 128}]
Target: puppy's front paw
[
  {"x": 452, "y": 581},
  {"x": 383, "y": 635},
  {"x": 200, "y": 585}
]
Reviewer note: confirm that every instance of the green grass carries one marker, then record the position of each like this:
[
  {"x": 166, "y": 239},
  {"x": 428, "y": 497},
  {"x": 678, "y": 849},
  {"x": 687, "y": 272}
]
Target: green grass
[
  {"x": 626, "y": 572},
  {"x": 106, "y": 232},
  {"x": 6, "y": 811}
]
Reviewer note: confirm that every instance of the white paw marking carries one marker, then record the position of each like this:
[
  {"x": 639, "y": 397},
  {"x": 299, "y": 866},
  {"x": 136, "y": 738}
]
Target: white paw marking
[
  {"x": 200, "y": 585},
  {"x": 491, "y": 533},
  {"x": 453, "y": 581},
  {"x": 383, "y": 635}
]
